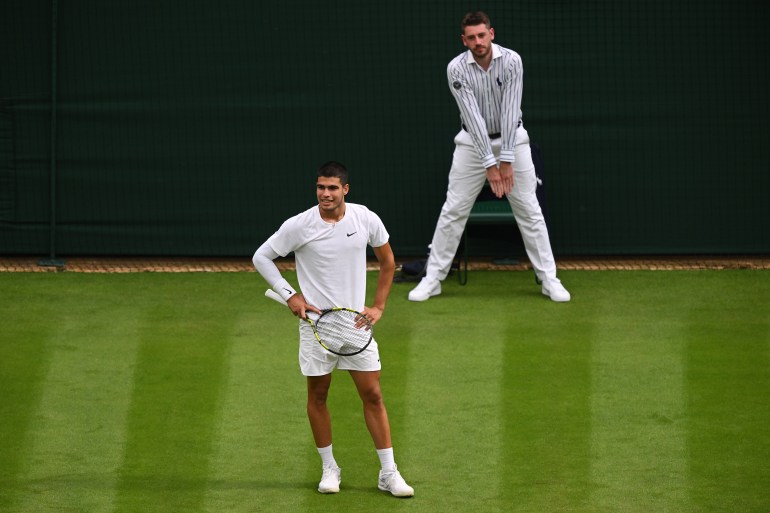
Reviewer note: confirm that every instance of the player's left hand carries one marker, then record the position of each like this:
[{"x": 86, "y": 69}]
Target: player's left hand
[{"x": 372, "y": 314}]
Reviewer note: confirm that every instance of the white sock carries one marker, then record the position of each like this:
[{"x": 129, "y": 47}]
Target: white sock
[
  {"x": 387, "y": 460},
  {"x": 327, "y": 457}
]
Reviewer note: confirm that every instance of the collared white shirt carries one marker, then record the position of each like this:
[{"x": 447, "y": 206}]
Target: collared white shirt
[{"x": 489, "y": 101}]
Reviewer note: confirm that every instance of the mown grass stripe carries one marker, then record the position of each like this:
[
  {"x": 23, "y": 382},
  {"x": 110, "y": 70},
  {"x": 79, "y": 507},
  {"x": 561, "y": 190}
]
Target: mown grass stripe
[
  {"x": 639, "y": 449},
  {"x": 728, "y": 389},
  {"x": 261, "y": 433},
  {"x": 77, "y": 439},
  {"x": 30, "y": 319},
  {"x": 546, "y": 406},
  {"x": 454, "y": 426},
  {"x": 178, "y": 380}
]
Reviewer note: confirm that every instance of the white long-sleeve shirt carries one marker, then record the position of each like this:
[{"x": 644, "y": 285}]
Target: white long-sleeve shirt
[{"x": 330, "y": 257}]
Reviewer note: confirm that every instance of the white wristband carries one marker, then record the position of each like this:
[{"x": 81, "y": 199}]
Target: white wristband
[{"x": 284, "y": 289}]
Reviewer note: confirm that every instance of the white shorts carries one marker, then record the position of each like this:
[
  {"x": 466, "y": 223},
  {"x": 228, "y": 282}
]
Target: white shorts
[{"x": 314, "y": 360}]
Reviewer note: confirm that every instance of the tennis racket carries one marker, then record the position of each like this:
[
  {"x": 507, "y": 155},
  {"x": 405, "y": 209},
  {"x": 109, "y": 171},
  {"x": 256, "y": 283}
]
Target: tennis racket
[{"x": 342, "y": 331}]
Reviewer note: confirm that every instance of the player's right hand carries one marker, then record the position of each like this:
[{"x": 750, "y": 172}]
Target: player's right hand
[{"x": 299, "y": 307}]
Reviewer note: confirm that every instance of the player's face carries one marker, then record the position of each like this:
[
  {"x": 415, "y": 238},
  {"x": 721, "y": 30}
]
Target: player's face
[
  {"x": 331, "y": 194},
  {"x": 478, "y": 38}
]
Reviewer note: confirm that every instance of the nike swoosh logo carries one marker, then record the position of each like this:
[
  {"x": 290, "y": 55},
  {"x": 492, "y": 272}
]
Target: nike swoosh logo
[{"x": 350, "y": 234}]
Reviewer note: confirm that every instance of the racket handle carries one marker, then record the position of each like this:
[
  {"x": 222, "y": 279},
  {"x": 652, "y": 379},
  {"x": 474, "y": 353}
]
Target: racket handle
[{"x": 275, "y": 297}]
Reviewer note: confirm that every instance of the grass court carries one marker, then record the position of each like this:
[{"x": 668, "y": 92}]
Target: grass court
[{"x": 180, "y": 392}]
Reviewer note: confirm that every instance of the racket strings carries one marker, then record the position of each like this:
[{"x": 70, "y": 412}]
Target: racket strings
[{"x": 337, "y": 330}]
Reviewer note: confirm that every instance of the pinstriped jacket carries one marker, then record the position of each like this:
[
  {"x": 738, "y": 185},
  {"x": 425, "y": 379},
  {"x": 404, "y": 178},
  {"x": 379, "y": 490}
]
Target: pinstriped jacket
[{"x": 489, "y": 101}]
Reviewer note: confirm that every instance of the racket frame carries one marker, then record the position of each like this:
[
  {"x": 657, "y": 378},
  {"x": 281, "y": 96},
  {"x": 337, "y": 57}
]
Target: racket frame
[{"x": 270, "y": 293}]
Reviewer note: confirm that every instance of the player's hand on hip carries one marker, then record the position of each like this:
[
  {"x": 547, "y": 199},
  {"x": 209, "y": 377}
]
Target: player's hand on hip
[
  {"x": 299, "y": 307},
  {"x": 372, "y": 314}
]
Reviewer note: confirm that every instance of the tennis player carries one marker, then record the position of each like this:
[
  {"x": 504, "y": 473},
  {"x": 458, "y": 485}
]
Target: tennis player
[{"x": 329, "y": 243}]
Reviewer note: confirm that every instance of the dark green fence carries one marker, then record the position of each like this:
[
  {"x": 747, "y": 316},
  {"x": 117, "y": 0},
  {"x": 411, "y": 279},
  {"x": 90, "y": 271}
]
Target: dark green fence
[{"x": 195, "y": 127}]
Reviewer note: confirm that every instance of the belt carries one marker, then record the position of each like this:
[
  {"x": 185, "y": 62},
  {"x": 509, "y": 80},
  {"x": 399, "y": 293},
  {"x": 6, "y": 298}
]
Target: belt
[{"x": 495, "y": 135}]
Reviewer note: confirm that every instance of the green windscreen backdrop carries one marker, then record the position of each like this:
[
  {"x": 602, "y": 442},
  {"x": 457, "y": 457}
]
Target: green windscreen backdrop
[{"x": 195, "y": 127}]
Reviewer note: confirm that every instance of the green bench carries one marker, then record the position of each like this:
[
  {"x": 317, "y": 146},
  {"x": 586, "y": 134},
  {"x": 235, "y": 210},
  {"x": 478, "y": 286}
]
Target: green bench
[{"x": 484, "y": 212}]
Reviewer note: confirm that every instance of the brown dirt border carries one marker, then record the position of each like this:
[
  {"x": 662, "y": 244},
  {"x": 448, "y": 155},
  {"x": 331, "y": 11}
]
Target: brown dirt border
[{"x": 195, "y": 264}]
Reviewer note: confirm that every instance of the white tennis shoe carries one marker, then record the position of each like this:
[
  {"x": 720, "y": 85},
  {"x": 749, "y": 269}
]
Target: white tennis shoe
[
  {"x": 393, "y": 482},
  {"x": 330, "y": 480},
  {"x": 555, "y": 290},
  {"x": 425, "y": 289}
]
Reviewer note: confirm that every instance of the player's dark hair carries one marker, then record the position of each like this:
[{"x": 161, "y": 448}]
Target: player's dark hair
[
  {"x": 333, "y": 169},
  {"x": 472, "y": 19}
]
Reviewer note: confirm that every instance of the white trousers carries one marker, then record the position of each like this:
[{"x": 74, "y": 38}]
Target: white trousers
[{"x": 466, "y": 179}]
